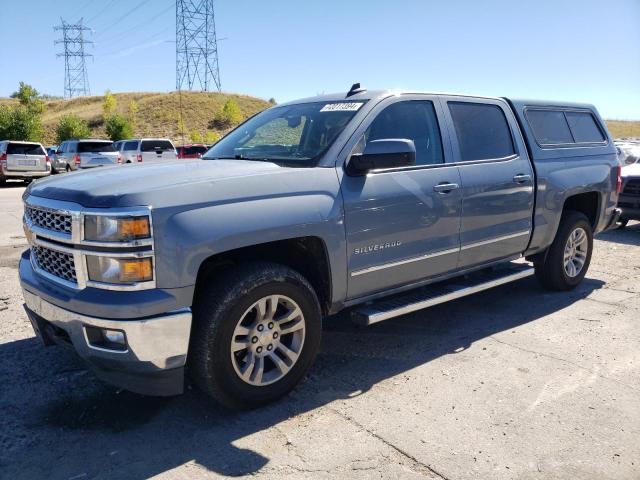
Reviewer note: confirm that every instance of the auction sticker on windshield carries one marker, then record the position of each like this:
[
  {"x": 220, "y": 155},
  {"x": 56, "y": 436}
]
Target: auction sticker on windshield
[{"x": 342, "y": 107}]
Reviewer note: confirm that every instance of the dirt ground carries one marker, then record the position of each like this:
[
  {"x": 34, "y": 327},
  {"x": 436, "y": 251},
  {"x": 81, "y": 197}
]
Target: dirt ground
[{"x": 515, "y": 382}]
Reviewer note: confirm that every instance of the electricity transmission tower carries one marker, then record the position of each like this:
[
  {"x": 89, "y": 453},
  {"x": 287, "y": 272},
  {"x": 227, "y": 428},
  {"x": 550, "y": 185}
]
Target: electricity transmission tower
[
  {"x": 196, "y": 46},
  {"x": 76, "y": 81}
]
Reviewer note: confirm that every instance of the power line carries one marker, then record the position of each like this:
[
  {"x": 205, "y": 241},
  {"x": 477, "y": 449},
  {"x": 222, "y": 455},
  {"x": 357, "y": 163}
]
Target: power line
[
  {"x": 136, "y": 26},
  {"x": 97, "y": 15},
  {"x": 76, "y": 80},
  {"x": 196, "y": 46}
]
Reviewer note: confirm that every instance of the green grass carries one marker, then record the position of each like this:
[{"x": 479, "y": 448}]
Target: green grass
[{"x": 157, "y": 116}]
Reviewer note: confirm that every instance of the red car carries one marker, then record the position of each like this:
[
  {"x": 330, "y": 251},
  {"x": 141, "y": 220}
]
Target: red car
[{"x": 191, "y": 151}]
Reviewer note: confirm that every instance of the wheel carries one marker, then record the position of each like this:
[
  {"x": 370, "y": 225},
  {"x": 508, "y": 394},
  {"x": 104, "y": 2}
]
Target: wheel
[
  {"x": 255, "y": 334},
  {"x": 567, "y": 260},
  {"x": 67, "y": 168},
  {"x": 622, "y": 223}
]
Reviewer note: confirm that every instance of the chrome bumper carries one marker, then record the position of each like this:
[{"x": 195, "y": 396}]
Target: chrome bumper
[
  {"x": 25, "y": 174},
  {"x": 154, "y": 345}
]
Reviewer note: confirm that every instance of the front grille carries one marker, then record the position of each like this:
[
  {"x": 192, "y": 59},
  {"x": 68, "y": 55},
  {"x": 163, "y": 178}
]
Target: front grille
[
  {"x": 56, "y": 263},
  {"x": 632, "y": 187},
  {"x": 57, "y": 222}
]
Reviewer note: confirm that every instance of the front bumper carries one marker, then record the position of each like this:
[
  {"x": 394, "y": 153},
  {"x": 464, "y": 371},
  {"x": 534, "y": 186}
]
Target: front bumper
[{"x": 156, "y": 347}]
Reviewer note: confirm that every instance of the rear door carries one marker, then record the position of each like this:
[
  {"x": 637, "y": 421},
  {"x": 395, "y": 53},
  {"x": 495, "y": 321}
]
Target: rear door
[
  {"x": 95, "y": 153},
  {"x": 26, "y": 157},
  {"x": 497, "y": 180},
  {"x": 402, "y": 226},
  {"x": 157, "y": 151}
]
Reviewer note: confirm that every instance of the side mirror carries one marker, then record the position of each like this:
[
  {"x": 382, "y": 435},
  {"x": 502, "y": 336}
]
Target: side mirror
[{"x": 384, "y": 153}]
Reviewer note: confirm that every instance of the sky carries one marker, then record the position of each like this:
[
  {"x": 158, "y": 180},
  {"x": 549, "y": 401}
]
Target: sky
[{"x": 568, "y": 50}]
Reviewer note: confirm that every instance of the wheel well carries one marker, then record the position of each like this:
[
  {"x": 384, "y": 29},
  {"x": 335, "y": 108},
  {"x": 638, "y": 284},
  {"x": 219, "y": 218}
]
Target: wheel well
[
  {"x": 306, "y": 255},
  {"x": 587, "y": 203}
]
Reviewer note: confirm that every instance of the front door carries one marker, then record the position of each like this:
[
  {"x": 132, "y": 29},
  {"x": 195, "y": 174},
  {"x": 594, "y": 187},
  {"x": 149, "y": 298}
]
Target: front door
[
  {"x": 402, "y": 224},
  {"x": 497, "y": 180}
]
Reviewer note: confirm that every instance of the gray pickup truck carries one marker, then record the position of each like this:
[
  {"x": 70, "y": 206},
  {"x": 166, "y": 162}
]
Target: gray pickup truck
[{"x": 381, "y": 202}]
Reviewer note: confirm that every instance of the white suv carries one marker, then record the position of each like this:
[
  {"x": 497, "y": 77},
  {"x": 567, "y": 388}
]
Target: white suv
[
  {"x": 148, "y": 150},
  {"x": 23, "y": 161}
]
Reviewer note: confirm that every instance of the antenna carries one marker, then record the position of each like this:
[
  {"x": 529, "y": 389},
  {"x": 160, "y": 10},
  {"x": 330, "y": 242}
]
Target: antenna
[
  {"x": 196, "y": 46},
  {"x": 76, "y": 80}
]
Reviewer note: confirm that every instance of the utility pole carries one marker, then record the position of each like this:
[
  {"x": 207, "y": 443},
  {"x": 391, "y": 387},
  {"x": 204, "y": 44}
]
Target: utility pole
[
  {"x": 196, "y": 46},
  {"x": 76, "y": 80}
]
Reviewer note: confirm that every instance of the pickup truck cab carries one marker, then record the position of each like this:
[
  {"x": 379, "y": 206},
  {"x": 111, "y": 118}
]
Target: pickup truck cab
[
  {"x": 23, "y": 161},
  {"x": 383, "y": 202}
]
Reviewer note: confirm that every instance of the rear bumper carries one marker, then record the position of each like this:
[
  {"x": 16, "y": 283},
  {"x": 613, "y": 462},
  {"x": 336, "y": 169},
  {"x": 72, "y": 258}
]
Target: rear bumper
[
  {"x": 614, "y": 219},
  {"x": 19, "y": 174},
  {"x": 151, "y": 363}
]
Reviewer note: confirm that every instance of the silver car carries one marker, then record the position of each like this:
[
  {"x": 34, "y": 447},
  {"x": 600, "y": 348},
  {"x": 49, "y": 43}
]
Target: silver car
[
  {"x": 86, "y": 153},
  {"x": 23, "y": 161},
  {"x": 148, "y": 150}
]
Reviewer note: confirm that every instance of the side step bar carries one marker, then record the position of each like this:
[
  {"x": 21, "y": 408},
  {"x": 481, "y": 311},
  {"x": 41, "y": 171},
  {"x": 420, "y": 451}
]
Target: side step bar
[{"x": 437, "y": 293}]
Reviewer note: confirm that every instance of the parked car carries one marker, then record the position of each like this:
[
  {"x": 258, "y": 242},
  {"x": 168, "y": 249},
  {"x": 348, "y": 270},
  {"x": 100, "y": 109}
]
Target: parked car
[
  {"x": 629, "y": 200},
  {"x": 86, "y": 153},
  {"x": 385, "y": 202},
  {"x": 23, "y": 161},
  {"x": 148, "y": 150},
  {"x": 191, "y": 151},
  {"x": 629, "y": 151}
]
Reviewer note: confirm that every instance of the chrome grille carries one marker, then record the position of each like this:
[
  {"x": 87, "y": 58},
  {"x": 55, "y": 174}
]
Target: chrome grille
[
  {"x": 56, "y": 263},
  {"x": 49, "y": 220}
]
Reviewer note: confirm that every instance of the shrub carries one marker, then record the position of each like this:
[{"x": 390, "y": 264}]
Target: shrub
[
  {"x": 118, "y": 128},
  {"x": 195, "y": 137},
  {"x": 211, "y": 137},
  {"x": 229, "y": 115},
  {"x": 133, "y": 113},
  {"x": 71, "y": 126},
  {"x": 108, "y": 105}
]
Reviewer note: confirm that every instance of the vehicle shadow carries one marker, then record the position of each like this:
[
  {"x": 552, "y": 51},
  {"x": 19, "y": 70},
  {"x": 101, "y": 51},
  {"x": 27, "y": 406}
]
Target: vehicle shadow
[
  {"x": 60, "y": 422},
  {"x": 630, "y": 235}
]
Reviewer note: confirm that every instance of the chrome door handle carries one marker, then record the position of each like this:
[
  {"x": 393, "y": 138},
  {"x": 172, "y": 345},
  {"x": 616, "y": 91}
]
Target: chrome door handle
[
  {"x": 445, "y": 187},
  {"x": 521, "y": 178}
]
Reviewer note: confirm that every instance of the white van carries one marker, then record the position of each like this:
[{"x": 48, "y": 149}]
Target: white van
[{"x": 148, "y": 150}]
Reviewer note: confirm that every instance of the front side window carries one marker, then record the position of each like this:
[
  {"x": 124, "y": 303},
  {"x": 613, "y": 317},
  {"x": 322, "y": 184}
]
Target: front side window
[
  {"x": 412, "y": 120},
  {"x": 293, "y": 134},
  {"x": 482, "y": 131}
]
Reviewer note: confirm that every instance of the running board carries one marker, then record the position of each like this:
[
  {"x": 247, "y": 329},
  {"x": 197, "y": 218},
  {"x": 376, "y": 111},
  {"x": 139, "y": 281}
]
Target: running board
[{"x": 437, "y": 293}]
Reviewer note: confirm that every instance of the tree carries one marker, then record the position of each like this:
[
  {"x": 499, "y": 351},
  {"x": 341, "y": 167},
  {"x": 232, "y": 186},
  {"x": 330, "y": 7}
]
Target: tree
[
  {"x": 195, "y": 137},
  {"x": 19, "y": 123},
  {"x": 26, "y": 94},
  {"x": 71, "y": 126},
  {"x": 211, "y": 137},
  {"x": 272, "y": 101},
  {"x": 108, "y": 105},
  {"x": 229, "y": 115},
  {"x": 118, "y": 128}
]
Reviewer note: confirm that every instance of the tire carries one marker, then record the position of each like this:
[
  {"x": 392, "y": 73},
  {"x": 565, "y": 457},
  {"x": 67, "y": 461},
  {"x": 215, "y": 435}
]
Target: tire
[
  {"x": 550, "y": 269},
  {"x": 223, "y": 306},
  {"x": 623, "y": 223},
  {"x": 67, "y": 168}
]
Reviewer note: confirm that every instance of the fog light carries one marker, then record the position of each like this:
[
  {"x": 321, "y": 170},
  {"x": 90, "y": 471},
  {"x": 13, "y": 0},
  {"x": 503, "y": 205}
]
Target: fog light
[{"x": 106, "y": 339}]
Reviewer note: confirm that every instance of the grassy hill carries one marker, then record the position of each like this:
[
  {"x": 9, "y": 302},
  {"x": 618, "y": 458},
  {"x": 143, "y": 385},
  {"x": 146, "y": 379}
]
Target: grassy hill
[{"x": 158, "y": 113}]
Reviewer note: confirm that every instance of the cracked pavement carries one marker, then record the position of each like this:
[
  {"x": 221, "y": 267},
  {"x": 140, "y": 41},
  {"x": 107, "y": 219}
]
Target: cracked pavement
[{"x": 515, "y": 382}]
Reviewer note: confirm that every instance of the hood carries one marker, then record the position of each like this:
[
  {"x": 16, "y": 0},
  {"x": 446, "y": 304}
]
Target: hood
[
  {"x": 632, "y": 170},
  {"x": 162, "y": 184}
]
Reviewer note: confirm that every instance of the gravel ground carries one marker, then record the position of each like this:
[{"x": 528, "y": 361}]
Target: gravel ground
[{"x": 515, "y": 382}]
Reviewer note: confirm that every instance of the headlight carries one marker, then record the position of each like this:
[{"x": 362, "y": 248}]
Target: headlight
[
  {"x": 105, "y": 228},
  {"x": 121, "y": 271}
]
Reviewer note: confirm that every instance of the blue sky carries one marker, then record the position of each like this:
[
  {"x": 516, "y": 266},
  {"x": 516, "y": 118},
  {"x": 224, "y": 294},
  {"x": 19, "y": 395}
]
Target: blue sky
[{"x": 574, "y": 50}]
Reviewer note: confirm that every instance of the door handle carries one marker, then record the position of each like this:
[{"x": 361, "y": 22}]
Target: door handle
[
  {"x": 521, "y": 178},
  {"x": 445, "y": 187}
]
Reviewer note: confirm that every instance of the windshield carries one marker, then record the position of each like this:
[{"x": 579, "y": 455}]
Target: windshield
[{"x": 294, "y": 134}]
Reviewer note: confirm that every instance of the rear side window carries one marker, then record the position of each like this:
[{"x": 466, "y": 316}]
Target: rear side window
[
  {"x": 584, "y": 127},
  {"x": 564, "y": 127},
  {"x": 25, "y": 149},
  {"x": 130, "y": 146},
  {"x": 153, "y": 145},
  {"x": 95, "y": 147},
  {"x": 194, "y": 149},
  {"x": 482, "y": 131},
  {"x": 414, "y": 120}
]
